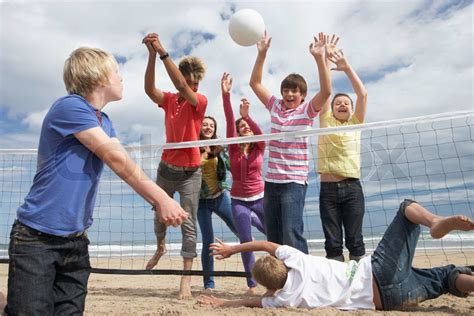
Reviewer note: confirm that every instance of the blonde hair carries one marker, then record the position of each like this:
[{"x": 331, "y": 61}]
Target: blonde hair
[
  {"x": 193, "y": 67},
  {"x": 86, "y": 68},
  {"x": 270, "y": 272}
]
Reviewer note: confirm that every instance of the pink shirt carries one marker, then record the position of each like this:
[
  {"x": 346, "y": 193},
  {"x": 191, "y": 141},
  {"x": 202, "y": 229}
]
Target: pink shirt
[
  {"x": 289, "y": 159},
  {"x": 246, "y": 170},
  {"x": 182, "y": 123}
]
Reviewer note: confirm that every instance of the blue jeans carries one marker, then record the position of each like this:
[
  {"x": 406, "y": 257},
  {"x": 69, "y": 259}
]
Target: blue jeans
[
  {"x": 341, "y": 204},
  {"x": 283, "y": 205},
  {"x": 399, "y": 283},
  {"x": 221, "y": 207},
  {"x": 47, "y": 275}
]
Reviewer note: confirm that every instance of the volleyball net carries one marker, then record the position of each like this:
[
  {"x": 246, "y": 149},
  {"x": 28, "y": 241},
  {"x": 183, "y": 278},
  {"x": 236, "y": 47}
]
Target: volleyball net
[{"x": 428, "y": 159}]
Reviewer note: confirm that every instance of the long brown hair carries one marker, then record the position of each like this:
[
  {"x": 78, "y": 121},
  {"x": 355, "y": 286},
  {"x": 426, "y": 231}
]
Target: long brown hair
[
  {"x": 242, "y": 146},
  {"x": 214, "y": 136},
  {"x": 215, "y": 150}
]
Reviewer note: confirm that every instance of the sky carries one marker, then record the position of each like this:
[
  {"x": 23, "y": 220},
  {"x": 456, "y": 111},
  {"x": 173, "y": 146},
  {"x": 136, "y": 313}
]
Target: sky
[{"x": 415, "y": 57}]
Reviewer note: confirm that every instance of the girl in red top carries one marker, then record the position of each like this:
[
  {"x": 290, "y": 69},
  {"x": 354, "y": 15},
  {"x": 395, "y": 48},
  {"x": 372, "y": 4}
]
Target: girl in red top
[{"x": 246, "y": 162}]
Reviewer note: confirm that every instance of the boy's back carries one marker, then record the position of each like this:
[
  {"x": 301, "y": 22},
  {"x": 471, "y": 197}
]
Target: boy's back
[{"x": 320, "y": 282}]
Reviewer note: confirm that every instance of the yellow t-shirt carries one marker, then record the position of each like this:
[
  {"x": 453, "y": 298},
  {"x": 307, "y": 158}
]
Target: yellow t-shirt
[
  {"x": 209, "y": 176},
  {"x": 339, "y": 154}
]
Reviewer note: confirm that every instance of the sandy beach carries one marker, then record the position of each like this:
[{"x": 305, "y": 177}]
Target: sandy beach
[{"x": 157, "y": 294}]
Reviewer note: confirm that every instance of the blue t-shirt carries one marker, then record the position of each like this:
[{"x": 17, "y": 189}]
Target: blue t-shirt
[{"x": 62, "y": 197}]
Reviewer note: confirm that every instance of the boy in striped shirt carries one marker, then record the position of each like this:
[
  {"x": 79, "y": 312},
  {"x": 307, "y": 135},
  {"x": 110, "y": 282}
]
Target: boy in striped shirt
[{"x": 288, "y": 166}]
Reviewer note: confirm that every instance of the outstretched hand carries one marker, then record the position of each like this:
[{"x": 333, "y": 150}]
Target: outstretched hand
[
  {"x": 331, "y": 48},
  {"x": 340, "y": 61},
  {"x": 244, "y": 108},
  {"x": 210, "y": 300},
  {"x": 220, "y": 250},
  {"x": 226, "y": 83},
  {"x": 318, "y": 46},
  {"x": 264, "y": 43}
]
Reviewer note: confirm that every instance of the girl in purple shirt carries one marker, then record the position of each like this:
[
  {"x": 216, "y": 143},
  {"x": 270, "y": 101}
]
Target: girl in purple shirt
[{"x": 246, "y": 162}]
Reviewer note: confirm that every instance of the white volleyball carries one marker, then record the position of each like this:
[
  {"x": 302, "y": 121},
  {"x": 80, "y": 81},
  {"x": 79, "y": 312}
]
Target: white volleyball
[{"x": 246, "y": 27}]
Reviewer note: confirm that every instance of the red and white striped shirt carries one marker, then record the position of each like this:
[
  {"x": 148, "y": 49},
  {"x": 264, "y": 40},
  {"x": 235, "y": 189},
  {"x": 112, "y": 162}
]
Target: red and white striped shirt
[{"x": 289, "y": 158}]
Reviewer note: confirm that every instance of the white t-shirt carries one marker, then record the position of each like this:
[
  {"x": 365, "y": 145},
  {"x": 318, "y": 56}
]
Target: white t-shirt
[{"x": 319, "y": 282}]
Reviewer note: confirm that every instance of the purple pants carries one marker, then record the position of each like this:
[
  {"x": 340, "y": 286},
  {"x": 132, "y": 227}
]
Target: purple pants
[{"x": 247, "y": 214}]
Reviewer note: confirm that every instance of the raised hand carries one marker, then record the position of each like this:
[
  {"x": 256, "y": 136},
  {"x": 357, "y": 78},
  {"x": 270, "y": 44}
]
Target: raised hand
[
  {"x": 152, "y": 42},
  {"x": 226, "y": 83},
  {"x": 244, "y": 108},
  {"x": 339, "y": 60},
  {"x": 220, "y": 249},
  {"x": 147, "y": 40},
  {"x": 318, "y": 47},
  {"x": 264, "y": 43},
  {"x": 331, "y": 48}
]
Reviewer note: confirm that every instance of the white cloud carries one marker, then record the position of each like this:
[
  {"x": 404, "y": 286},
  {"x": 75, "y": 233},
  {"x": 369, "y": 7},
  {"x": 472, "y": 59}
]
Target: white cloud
[
  {"x": 35, "y": 120},
  {"x": 415, "y": 60}
]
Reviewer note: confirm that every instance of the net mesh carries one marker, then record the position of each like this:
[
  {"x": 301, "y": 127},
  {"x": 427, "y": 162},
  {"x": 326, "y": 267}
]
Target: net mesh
[{"x": 428, "y": 159}]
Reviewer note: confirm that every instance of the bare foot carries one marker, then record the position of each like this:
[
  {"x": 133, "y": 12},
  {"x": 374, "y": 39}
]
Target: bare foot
[
  {"x": 444, "y": 225},
  {"x": 251, "y": 291},
  {"x": 208, "y": 291},
  {"x": 156, "y": 257},
  {"x": 185, "y": 288}
]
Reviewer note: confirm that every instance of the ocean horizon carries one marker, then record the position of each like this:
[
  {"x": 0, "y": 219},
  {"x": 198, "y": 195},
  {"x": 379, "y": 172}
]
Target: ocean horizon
[{"x": 454, "y": 241}]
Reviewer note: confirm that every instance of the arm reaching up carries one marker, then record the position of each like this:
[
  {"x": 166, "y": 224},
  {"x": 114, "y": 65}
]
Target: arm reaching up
[
  {"x": 343, "y": 65},
  {"x": 318, "y": 49},
  {"x": 155, "y": 94},
  {"x": 179, "y": 81},
  {"x": 331, "y": 50},
  {"x": 256, "y": 79},
  {"x": 226, "y": 86},
  {"x": 244, "y": 113}
]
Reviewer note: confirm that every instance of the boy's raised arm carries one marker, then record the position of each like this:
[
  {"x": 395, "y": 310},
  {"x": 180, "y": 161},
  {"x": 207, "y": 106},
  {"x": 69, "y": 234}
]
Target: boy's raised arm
[
  {"x": 256, "y": 79},
  {"x": 155, "y": 94},
  {"x": 318, "y": 49},
  {"x": 331, "y": 50},
  {"x": 222, "y": 250},
  {"x": 343, "y": 65},
  {"x": 111, "y": 152}
]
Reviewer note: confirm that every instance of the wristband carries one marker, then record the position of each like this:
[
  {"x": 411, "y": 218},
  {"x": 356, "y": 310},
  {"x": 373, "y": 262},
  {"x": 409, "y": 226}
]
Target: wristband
[{"x": 164, "y": 56}]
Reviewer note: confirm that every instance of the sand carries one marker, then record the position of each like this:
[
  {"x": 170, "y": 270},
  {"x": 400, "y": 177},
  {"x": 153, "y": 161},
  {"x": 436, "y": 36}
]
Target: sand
[{"x": 157, "y": 295}]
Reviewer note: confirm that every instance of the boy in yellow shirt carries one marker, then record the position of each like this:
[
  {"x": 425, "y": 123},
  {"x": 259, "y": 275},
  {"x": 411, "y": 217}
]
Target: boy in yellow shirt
[{"x": 341, "y": 200}]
